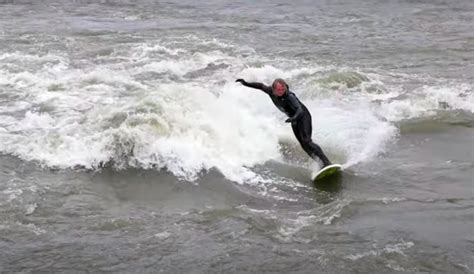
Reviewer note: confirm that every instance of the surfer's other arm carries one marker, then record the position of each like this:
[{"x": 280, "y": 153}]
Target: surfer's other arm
[{"x": 255, "y": 85}]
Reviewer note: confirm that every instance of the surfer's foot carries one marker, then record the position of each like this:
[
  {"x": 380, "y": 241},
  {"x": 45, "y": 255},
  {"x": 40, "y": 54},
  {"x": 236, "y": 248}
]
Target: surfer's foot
[{"x": 326, "y": 164}]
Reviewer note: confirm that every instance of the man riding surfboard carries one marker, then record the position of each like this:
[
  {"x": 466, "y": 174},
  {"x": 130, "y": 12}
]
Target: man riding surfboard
[{"x": 299, "y": 116}]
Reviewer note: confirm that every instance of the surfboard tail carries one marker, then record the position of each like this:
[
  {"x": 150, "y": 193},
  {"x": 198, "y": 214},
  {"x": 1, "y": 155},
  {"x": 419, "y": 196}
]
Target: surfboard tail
[{"x": 327, "y": 171}]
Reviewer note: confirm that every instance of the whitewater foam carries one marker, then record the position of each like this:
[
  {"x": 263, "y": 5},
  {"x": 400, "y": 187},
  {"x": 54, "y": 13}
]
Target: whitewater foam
[
  {"x": 427, "y": 100},
  {"x": 104, "y": 114},
  {"x": 389, "y": 248}
]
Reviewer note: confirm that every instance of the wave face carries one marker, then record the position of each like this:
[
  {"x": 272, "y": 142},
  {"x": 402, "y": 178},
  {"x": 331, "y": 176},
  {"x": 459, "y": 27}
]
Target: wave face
[{"x": 172, "y": 103}]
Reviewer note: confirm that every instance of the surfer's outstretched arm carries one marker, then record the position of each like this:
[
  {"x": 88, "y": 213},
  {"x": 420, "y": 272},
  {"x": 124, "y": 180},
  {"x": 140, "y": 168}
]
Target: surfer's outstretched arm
[{"x": 256, "y": 85}]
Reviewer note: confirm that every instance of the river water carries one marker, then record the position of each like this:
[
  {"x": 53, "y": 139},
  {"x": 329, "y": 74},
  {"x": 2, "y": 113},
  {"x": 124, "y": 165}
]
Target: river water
[{"x": 127, "y": 147}]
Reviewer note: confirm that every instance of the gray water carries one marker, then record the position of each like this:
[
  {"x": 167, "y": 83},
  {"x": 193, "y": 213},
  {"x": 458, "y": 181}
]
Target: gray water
[{"x": 126, "y": 146}]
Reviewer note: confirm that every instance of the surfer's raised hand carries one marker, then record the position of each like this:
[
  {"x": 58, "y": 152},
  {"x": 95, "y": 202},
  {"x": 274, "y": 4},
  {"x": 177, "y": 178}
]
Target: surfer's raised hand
[
  {"x": 242, "y": 81},
  {"x": 256, "y": 85}
]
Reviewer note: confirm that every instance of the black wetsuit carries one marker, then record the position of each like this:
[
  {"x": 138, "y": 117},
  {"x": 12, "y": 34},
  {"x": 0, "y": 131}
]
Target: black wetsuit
[{"x": 300, "y": 119}]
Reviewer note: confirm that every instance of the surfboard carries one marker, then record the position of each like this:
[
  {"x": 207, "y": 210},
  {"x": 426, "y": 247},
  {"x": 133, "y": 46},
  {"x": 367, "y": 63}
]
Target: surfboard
[{"x": 327, "y": 172}]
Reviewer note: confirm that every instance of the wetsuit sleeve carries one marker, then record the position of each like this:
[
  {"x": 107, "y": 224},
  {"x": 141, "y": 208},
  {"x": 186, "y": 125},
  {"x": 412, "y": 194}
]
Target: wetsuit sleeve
[
  {"x": 260, "y": 86},
  {"x": 295, "y": 104}
]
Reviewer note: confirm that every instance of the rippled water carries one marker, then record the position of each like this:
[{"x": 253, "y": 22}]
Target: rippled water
[{"x": 126, "y": 146}]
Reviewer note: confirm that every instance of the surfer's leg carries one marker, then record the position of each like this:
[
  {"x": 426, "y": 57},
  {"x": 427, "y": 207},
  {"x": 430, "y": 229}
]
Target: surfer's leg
[
  {"x": 316, "y": 150},
  {"x": 305, "y": 129},
  {"x": 299, "y": 134}
]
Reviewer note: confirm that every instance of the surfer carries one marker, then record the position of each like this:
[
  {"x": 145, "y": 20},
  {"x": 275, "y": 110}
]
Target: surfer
[{"x": 299, "y": 116}]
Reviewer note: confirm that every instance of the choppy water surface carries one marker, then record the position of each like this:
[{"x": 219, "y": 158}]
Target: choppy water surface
[{"x": 126, "y": 146}]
